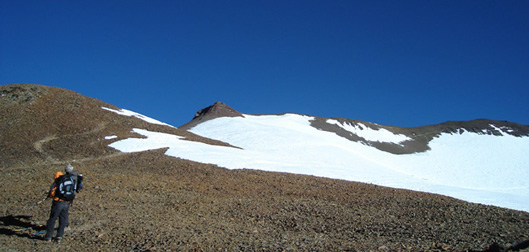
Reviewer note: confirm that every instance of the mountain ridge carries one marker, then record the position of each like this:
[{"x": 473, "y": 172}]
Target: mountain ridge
[
  {"x": 419, "y": 137},
  {"x": 221, "y": 109}
]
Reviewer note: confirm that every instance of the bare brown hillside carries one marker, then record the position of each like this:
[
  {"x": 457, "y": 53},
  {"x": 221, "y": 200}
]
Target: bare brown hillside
[
  {"x": 43, "y": 123},
  {"x": 151, "y": 202}
]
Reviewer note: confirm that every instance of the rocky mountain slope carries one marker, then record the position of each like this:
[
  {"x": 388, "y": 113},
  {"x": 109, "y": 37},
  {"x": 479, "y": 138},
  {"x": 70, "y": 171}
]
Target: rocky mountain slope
[
  {"x": 480, "y": 161},
  {"x": 148, "y": 201},
  {"x": 419, "y": 137}
]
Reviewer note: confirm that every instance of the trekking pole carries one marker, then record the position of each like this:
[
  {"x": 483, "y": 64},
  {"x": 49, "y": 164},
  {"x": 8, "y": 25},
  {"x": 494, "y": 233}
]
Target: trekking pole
[{"x": 38, "y": 203}]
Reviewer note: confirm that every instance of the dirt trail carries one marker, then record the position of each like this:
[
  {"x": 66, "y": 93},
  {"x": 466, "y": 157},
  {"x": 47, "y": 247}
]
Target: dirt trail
[
  {"x": 38, "y": 146},
  {"x": 49, "y": 159}
]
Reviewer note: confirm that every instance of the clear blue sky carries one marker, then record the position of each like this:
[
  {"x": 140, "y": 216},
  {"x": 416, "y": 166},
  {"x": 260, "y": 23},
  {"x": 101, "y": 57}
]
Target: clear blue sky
[{"x": 402, "y": 63}]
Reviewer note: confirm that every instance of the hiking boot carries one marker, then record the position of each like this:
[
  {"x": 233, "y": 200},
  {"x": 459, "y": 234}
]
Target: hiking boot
[
  {"x": 58, "y": 239},
  {"x": 47, "y": 239}
]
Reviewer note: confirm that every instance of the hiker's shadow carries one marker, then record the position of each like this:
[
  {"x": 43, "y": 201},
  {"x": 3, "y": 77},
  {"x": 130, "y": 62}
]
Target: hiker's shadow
[{"x": 19, "y": 225}]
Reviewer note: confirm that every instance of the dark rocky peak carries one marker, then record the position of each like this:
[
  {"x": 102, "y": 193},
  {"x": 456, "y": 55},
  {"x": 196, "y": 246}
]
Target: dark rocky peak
[{"x": 218, "y": 109}]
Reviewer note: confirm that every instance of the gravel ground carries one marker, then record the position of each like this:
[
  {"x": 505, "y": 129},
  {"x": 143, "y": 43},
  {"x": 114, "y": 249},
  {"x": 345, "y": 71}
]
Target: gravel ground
[{"x": 150, "y": 202}]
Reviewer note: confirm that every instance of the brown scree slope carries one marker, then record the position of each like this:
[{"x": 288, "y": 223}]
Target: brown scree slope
[{"x": 151, "y": 202}]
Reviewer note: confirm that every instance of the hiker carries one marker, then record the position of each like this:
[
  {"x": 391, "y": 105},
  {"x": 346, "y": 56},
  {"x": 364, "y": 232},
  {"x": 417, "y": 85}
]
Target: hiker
[{"x": 62, "y": 191}]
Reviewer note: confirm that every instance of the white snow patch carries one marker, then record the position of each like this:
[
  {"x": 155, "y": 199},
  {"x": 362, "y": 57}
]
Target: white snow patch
[
  {"x": 380, "y": 135},
  {"x": 111, "y": 137},
  {"x": 137, "y": 115},
  {"x": 477, "y": 168}
]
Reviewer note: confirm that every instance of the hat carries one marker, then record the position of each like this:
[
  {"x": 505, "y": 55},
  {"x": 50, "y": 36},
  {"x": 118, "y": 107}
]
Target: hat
[{"x": 69, "y": 168}]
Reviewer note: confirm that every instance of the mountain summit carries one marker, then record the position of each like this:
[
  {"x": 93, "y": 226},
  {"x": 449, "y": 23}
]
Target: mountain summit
[{"x": 218, "y": 109}]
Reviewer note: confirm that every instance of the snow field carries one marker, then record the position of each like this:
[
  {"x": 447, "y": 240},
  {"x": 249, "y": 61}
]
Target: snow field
[
  {"x": 476, "y": 168},
  {"x": 381, "y": 135}
]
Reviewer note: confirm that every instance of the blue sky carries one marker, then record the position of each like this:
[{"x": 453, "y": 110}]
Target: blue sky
[{"x": 402, "y": 63}]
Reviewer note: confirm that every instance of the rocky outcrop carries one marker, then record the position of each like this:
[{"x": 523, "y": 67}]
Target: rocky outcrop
[
  {"x": 419, "y": 137},
  {"x": 218, "y": 109}
]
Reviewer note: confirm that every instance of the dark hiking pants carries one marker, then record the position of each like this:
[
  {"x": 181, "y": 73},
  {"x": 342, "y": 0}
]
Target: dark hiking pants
[{"x": 58, "y": 209}]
